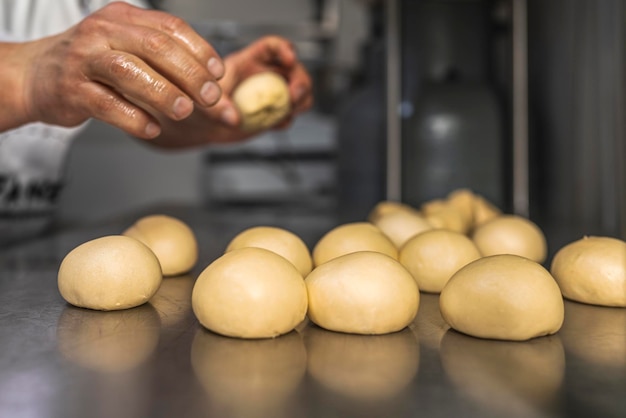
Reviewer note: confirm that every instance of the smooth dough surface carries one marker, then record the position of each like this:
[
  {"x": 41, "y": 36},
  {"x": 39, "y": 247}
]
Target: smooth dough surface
[
  {"x": 442, "y": 214},
  {"x": 171, "y": 240},
  {"x": 278, "y": 240},
  {"x": 432, "y": 257},
  {"x": 387, "y": 206},
  {"x": 511, "y": 234},
  {"x": 263, "y": 100},
  {"x": 362, "y": 293},
  {"x": 352, "y": 237},
  {"x": 592, "y": 270},
  {"x": 504, "y": 297},
  {"x": 250, "y": 293},
  {"x": 401, "y": 225},
  {"x": 109, "y": 273}
]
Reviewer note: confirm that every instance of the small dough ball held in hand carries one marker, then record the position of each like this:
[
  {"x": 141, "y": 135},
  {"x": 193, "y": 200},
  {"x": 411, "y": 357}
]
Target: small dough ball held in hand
[
  {"x": 432, "y": 257},
  {"x": 511, "y": 234},
  {"x": 263, "y": 101},
  {"x": 362, "y": 293},
  {"x": 504, "y": 297},
  {"x": 278, "y": 240},
  {"x": 109, "y": 273},
  {"x": 250, "y": 293},
  {"x": 592, "y": 270},
  {"x": 352, "y": 237},
  {"x": 171, "y": 240}
]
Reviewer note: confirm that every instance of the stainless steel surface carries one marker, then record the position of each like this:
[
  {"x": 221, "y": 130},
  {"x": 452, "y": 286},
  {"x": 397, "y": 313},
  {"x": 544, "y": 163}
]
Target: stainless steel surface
[{"x": 157, "y": 361}]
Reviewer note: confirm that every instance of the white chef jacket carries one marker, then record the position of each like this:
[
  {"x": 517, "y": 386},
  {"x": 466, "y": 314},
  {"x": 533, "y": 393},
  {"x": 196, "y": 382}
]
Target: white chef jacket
[{"x": 32, "y": 157}]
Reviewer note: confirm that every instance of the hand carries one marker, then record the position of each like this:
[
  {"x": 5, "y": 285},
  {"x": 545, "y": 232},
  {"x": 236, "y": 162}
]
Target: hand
[
  {"x": 220, "y": 123},
  {"x": 123, "y": 65}
]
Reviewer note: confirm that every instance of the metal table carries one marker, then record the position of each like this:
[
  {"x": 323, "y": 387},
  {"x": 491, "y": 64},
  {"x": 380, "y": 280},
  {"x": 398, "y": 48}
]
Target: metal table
[{"x": 157, "y": 361}]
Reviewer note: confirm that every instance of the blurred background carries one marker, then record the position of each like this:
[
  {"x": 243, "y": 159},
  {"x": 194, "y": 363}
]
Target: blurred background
[{"x": 522, "y": 101}]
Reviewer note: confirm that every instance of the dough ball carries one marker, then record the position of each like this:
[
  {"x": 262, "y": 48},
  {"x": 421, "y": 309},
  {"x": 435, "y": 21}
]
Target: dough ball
[
  {"x": 511, "y": 234},
  {"x": 363, "y": 368},
  {"x": 432, "y": 257},
  {"x": 387, "y": 206},
  {"x": 352, "y": 237},
  {"x": 484, "y": 210},
  {"x": 503, "y": 297},
  {"x": 171, "y": 240},
  {"x": 278, "y": 240},
  {"x": 463, "y": 201},
  {"x": 263, "y": 101},
  {"x": 592, "y": 270},
  {"x": 443, "y": 215},
  {"x": 250, "y": 293},
  {"x": 362, "y": 293},
  {"x": 110, "y": 342},
  {"x": 109, "y": 273},
  {"x": 401, "y": 225}
]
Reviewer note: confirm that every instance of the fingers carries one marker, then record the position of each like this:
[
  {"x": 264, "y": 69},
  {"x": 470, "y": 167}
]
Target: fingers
[{"x": 108, "y": 106}]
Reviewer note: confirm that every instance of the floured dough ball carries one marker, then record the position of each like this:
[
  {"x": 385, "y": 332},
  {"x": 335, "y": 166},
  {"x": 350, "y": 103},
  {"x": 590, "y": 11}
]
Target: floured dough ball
[
  {"x": 352, "y": 237},
  {"x": 400, "y": 226},
  {"x": 171, "y": 240},
  {"x": 511, "y": 234},
  {"x": 278, "y": 240},
  {"x": 503, "y": 297},
  {"x": 442, "y": 214},
  {"x": 250, "y": 293},
  {"x": 109, "y": 273},
  {"x": 432, "y": 257},
  {"x": 263, "y": 101},
  {"x": 388, "y": 206},
  {"x": 362, "y": 293},
  {"x": 592, "y": 270}
]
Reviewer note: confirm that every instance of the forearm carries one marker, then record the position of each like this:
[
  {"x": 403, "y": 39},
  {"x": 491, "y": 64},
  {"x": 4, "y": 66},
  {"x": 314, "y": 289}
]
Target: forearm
[{"x": 15, "y": 59}]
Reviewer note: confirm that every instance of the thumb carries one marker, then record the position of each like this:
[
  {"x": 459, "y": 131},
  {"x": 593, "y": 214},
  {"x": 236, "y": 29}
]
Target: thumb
[{"x": 226, "y": 111}]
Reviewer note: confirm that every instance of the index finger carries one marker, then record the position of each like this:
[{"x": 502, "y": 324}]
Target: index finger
[{"x": 174, "y": 26}]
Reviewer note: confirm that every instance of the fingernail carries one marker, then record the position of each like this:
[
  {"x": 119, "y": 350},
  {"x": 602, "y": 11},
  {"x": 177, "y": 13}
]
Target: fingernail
[
  {"x": 152, "y": 130},
  {"x": 210, "y": 92},
  {"x": 182, "y": 107},
  {"x": 229, "y": 116},
  {"x": 216, "y": 68}
]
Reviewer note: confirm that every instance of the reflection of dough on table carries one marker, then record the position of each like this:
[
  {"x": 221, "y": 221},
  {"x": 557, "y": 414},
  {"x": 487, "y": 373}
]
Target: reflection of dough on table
[
  {"x": 115, "y": 341},
  {"x": 596, "y": 334},
  {"x": 173, "y": 300},
  {"x": 364, "y": 368},
  {"x": 429, "y": 325},
  {"x": 254, "y": 378},
  {"x": 515, "y": 379}
]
